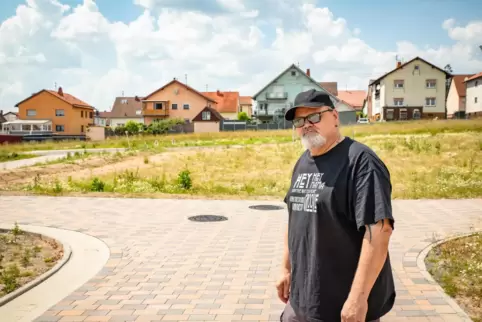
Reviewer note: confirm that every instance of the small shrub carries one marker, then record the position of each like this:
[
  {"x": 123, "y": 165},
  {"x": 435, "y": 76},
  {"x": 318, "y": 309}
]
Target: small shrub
[
  {"x": 57, "y": 187},
  {"x": 97, "y": 185},
  {"x": 16, "y": 231},
  {"x": 9, "y": 278},
  {"x": 184, "y": 179},
  {"x": 26, "y": 257},
  {"x": 146, "y": 159}
]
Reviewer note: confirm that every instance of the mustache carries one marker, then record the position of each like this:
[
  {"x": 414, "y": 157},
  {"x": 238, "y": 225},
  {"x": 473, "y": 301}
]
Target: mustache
[{"x": 309, "y": 130}]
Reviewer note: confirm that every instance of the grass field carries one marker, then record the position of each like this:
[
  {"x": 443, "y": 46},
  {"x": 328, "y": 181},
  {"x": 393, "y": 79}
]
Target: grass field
[
  {"x": 252, "y": 137},
  {"x": 433, "y": 165}
]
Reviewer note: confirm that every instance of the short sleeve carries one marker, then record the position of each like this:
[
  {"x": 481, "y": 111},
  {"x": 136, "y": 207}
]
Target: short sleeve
[{"x": 372, "y": 192}]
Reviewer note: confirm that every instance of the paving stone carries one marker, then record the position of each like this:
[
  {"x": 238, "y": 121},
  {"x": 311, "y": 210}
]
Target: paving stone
[{"x": 163, "y": 267}]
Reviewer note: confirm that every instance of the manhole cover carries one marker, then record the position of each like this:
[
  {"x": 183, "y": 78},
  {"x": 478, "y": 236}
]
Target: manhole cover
[
  {"x": 207, "y": 218},
  {"x": 266, "y": 207}
]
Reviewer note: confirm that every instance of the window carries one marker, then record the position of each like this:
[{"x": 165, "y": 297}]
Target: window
[
  {"x": 158, "y": 106},
  {"x": 91, "y": 115},
  {"x": 293, "y": 73},
  {"x": 59, "y": 113},
  {"x": 31, "y": 112},
  {"x": 431, "y": 83},
  {"x": 139, "y": 112},
  {"x": 389, "y": 115},
  {"x": 475, "y": 99},
  {"x": 206, "y": 116},
  {"x": 403, "y": 114},
  {"x": 174, "y": 106},
  {"x": 82, "y": 114},
  {"x": 398, "y": 83},
  {"x": 398, "y": 101},
  {"x": 185, "y": 106},
  {"x": 81, "y": 129},
  {"x": 430, "y": 101},
  {"x": 476, "y": 83},
  {"x": 416, "y": 114},
  {"x": 124, "y": 101},
  {"x": 59, "y": 128}
]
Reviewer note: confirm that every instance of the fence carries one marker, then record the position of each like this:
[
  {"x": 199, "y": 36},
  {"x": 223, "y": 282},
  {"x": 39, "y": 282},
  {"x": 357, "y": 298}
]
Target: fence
[{"x": 232, "y": 125}]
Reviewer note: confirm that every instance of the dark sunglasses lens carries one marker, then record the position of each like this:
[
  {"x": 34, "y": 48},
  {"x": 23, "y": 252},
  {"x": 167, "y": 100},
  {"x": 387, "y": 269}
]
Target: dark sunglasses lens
[
  {"x": 314, "y": 118},
  {"x": 298, "y": 122}
]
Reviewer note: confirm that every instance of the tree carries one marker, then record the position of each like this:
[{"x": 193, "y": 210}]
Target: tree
[{"x": 243, "y": 116}]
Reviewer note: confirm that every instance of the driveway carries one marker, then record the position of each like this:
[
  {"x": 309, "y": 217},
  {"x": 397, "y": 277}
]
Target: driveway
[{"x": 164, "y": 267}]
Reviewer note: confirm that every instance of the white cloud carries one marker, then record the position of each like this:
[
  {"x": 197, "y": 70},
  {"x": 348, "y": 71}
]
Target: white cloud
[{"x": 230, "y": 45}]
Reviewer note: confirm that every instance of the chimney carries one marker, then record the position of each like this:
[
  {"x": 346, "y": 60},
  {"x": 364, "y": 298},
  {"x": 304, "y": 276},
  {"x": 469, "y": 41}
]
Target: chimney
[
  {"x": 61, "y": 92},
  {"x": 137, "y": 98},
  {"x": 219, "y": 93},
  {"x": 308, "y": 72},
  {"x": 399, "y": 63}
]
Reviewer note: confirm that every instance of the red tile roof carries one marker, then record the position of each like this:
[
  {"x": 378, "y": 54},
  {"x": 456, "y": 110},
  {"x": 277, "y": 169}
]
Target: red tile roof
[
  {"x": 331, "y": 87},
  {"x": 353, "y": 97},
  {"x": 459, "y": 84},
  {"x": 70, "y": 99},
  {"x": 227, "y": 101},
  {"x": 479, "y": 75},
  {"x": 245, "y": 100}
]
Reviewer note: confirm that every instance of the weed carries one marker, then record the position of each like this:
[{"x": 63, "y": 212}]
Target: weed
[
  {"x": 16, "y": 231},
  {"x": 26, "y": 257},
  {"x": 184, "y": 179},
  {"x": 146, "y": 159},
  {"x": 97, "y": 185},
  {"x": 9, "y": 278}
]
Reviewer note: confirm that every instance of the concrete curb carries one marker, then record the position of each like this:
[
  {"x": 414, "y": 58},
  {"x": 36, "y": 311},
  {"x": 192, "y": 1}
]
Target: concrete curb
[
  {"x": 67, "y": 254},
  {"x": 423, "y": 270}
]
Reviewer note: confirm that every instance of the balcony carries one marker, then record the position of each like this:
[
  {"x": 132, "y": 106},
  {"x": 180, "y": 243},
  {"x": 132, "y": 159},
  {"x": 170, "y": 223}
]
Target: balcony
[
  {"x": 151, "y": 112},
  {"x": 277, "y": 95}
]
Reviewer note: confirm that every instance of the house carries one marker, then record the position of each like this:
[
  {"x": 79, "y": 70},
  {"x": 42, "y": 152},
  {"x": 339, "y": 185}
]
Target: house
[
  {"x": 174, "y": 100},
  {"x": 473, "y": 85},
  {"x": 331, "y": 87},
  {"x": 279, "y": 94},
  {"x": 208, "y": 120},
  {"x": 227, "y": 103},
  {"x": 102, "y": 118},
  {"x": 246, "y": 105},
  {"x": 9, "y": 116},
  {"x": 354, "y": 98},
  {"x": 456, "y": 96},
  {"x": 367, "y": 103},
  {"x": 413, "y": 90},
  {"x": 124, "y": 109},
  {"x": 3, "y": 119},
  {"x": 54, "y": 111}
]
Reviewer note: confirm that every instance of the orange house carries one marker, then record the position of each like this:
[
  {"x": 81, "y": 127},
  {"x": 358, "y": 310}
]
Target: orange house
[
  {"x": 174, "y": 100},
  {"x": 68, "y": 114}
]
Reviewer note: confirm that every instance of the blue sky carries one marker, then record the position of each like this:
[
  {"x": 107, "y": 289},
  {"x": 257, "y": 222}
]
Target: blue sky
[{"x": 105, "y": 47}]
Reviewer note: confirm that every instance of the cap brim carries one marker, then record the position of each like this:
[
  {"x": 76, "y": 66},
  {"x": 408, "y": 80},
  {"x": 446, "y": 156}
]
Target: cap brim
[{"x": 290, "y": 113}]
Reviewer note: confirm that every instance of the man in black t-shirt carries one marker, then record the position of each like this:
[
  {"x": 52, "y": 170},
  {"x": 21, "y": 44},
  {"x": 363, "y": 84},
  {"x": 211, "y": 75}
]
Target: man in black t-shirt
[{"x": 336, "y": 265}]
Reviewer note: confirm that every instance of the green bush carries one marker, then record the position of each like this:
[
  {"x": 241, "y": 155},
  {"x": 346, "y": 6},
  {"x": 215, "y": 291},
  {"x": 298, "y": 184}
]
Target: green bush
[{"x": 184, "y": 179}]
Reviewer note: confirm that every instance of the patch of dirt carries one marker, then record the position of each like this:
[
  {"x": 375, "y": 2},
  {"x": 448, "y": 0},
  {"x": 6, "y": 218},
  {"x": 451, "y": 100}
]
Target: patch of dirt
[{"x": 24, "y": 257}]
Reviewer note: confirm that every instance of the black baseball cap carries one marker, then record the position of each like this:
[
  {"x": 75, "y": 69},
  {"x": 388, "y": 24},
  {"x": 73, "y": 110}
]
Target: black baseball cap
[{"x": 310, "y": 98}]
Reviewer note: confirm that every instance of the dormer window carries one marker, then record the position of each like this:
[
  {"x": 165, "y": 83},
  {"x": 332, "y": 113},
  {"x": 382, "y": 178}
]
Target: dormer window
[
  {"x": 124, "y": 101},
  {"x": 293, "y": 73}
]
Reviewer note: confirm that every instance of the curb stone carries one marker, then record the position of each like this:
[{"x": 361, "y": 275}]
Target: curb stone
[
  {"x": 423, "y": 270},
  {"x": 67, "y": 254}
]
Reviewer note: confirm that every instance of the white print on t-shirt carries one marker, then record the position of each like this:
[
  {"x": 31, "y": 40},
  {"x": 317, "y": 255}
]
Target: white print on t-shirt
[{"x": 309, "y": 186}]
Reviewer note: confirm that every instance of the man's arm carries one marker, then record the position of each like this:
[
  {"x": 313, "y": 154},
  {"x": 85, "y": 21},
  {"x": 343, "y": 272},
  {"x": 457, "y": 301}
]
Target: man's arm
[
  {"x": 372, "y": 258},
  {"x": 286, "y": 265}
]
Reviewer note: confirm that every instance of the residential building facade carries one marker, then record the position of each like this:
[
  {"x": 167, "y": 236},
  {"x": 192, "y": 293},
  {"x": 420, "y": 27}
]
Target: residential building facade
[
  {"x": 174, "y": 100},
  {"x": 246, "y": 105},
  {"x": 413, "y": 90},
  {"x": 67, "y": 114},
  {"x": 279, "y": 94},
  {"x": 124, "y": 109},
  {"x": 456, "y": 97},
  {"x": 473, "y": 85}
]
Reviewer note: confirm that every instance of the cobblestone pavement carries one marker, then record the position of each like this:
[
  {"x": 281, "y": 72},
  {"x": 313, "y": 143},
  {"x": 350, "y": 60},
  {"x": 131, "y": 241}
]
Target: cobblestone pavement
[{"x": 164, "y": 267}]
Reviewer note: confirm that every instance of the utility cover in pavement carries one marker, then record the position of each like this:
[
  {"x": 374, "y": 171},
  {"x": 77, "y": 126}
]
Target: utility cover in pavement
[
  {"x": 266, "y": 207},
  {"x": 207, "y": 218}
]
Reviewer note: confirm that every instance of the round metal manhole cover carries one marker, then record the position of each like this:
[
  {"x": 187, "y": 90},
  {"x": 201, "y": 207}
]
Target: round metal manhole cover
[
  {"x": 207, "y": 218},
  {"x": 266, "y": 207}
]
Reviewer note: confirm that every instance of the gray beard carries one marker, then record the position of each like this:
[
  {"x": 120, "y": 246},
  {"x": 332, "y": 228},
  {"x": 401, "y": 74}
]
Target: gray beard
[{"x": 312, "y": 140}]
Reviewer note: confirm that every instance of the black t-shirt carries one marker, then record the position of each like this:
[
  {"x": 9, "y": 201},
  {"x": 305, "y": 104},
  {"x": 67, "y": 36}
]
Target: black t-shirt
[{"x": 331, "y": 198}]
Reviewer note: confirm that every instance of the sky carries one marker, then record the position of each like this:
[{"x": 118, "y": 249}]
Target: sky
[{"x": 99, "y": 49}]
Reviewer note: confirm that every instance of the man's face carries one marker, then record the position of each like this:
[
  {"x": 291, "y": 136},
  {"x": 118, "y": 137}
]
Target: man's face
[{"x": 314, "y": 135}]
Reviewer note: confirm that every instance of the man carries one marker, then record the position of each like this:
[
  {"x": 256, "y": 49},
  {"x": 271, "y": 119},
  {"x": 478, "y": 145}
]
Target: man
[{"x": 336, "y": 265}]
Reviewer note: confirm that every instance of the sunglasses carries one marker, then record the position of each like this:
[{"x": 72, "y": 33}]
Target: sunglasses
[{"x": 312, "y": 118}]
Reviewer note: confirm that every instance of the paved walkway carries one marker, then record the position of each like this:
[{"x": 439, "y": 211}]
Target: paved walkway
[{"x": 163, "y": 267}]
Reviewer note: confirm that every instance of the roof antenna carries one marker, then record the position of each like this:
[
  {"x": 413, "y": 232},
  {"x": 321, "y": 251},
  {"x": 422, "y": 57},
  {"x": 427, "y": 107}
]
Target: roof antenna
[
  {"x": 55, "y": 85},
  {"x": 185, "y": 75}
]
